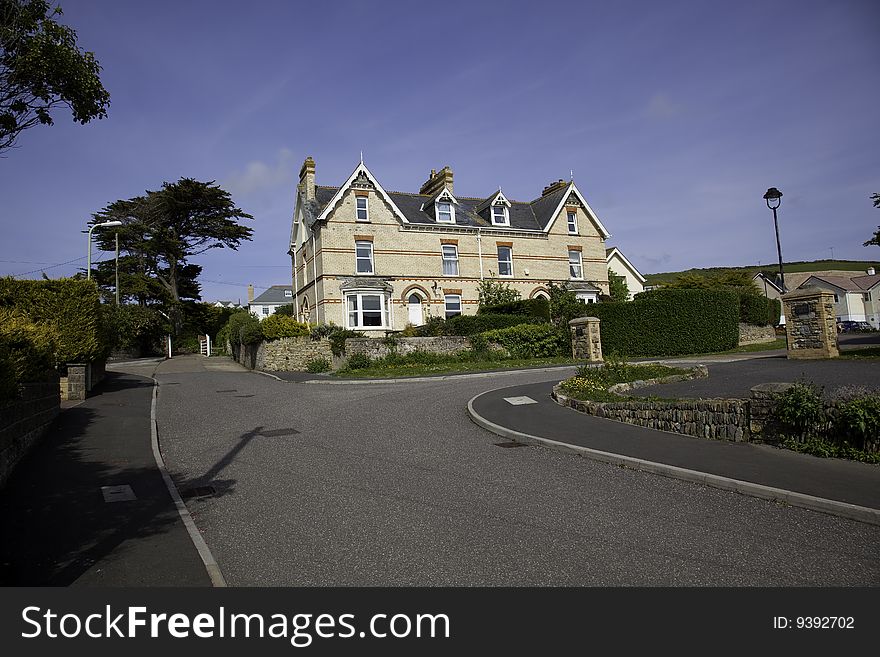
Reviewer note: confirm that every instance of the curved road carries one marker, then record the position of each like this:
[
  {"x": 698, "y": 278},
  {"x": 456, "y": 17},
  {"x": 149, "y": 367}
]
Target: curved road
[{"x": 392, "y": 484}]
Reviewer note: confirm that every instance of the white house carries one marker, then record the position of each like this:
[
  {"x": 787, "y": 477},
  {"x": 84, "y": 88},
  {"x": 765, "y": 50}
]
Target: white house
[
  {"x": 621, "y": 266},
  {"x": 269, "y": 301},
  {"x": 856, "y": 297}
]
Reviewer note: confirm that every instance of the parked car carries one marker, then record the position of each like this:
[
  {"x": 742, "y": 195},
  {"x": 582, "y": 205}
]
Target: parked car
[{"x": 850, "y": 326}]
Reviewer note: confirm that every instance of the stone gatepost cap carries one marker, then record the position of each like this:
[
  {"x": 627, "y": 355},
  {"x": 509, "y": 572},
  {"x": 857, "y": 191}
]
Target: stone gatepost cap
[{"x": 583, "y": 320}]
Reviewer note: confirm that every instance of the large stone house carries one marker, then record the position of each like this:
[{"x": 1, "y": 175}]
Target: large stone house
[{"x": 373, "y": 260}]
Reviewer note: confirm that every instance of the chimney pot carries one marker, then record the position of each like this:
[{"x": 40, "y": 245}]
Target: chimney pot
[
  {"x": 871, "y": 271},
  {"x": 554, "y": 186}
]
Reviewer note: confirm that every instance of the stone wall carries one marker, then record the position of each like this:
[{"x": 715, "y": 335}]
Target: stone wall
[
  {"x": 24, "y": 421},
  {"x": 381, "y": 347},
  {"x": 586, "y": 342},
  {"x": 81, "y": 379},
  {"x": 285, "y": 354},
  {"x": 751, "y": 334}
]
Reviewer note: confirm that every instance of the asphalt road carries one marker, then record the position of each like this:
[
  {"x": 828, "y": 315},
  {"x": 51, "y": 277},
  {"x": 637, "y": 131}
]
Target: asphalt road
[{"x": 391, "y": 484}]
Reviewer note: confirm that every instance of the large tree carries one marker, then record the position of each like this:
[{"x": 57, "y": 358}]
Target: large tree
[
  {"x": 41, "y": 67},
  {"x": 161, "y": 231},
  {"x": 875, "y": 241},
  {"x": 618, "y": 290}
]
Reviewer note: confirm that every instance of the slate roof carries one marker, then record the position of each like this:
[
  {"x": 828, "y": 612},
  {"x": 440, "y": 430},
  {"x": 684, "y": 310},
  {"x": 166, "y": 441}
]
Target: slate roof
[
  {"x": 274, "y": 294},
  {"x": 523, "y": 216}
]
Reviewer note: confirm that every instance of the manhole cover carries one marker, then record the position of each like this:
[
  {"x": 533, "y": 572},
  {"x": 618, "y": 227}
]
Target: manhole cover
[
  {"x": 274, "y": 433},
  {"x": 198, "y": 491},
  {"x": 118, "y": 493},
  {"x": 512, "y": 443}
]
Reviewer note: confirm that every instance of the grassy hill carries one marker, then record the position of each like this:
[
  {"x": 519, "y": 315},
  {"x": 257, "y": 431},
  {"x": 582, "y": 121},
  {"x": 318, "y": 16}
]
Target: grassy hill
[{"x": 769, "y": 269}]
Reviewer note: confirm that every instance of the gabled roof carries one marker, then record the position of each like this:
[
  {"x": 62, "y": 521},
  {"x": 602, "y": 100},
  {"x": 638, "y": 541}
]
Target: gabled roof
[
  {"x": 867, "y": 282},
  {"x": 610, "y": 253},
  {"x": 274, "y": 294},
  {"x": 767, "y": 279},
  {"x": 360, "y": 171},
  {"x": 840, "y": 282}
]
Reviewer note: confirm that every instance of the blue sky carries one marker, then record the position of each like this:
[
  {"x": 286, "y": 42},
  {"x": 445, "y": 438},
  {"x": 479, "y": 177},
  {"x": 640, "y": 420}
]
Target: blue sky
[{"x": 675, "y": 117}]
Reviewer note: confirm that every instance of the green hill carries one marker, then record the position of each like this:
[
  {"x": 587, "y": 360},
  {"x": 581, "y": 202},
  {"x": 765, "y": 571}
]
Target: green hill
[{"x": 769, "y": 269}]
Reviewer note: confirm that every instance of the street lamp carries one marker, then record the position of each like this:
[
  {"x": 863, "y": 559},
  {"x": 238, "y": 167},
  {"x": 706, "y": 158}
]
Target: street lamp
[
  {"x": 106, "y": 224},
  {"x": 774, "y": 198}
]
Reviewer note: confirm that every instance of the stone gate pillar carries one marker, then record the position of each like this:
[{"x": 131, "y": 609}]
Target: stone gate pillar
[
  {"x": 810, "y": 323},
  {"x": 586, "y": 343}
]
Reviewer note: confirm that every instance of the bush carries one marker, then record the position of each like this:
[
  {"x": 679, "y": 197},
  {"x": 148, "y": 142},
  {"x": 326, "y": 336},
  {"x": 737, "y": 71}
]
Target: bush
[
  {"x": 359, "y": 361},
  {"x": 337, "y": 336},
  {"x": 533, "y": 308},
  {"x": 495, "y": 292},
  {"x": 800, "y": 411},
  {"x": 251, "y": 333},
  {"x": 277, "y": 326},
  {"x": 242, "y": 328},
  {"x": 287, "y": 310},
  {"x": 318, "y": 365},
  {"x": 473, "y": 324},
  {"x": 71, "y": 309},
  {"x": 433, "y": 326},
  {"x": 27, "y": 352},
  {"x": 858, "y": 421},
  {"x": 755, "y": 309},
  {"x": 134, "y": 328},
  {"x": 774, "y": 312},
  {"x": 669, "y": 323},
  {"x": 531, "y": 340}
]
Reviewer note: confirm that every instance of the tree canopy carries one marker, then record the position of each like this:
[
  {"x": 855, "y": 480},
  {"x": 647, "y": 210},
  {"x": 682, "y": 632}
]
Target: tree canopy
[
  {"x": 41, "y": 67},
  {"x": 618, "y": 290},
  {"x": 875, "y": 241},
  {"x": 160, "y": 232}
]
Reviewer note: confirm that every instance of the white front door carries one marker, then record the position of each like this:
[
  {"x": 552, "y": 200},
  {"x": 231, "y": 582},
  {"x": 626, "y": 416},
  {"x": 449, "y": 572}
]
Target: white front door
[{"x": 415, "y": 310}]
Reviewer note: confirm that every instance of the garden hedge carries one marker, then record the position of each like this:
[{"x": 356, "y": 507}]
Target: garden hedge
[
  {"x": 27, "y": 352},
  {"x": 72, "y": 309},
  {"x": 277, "y": 326},
  {"x": 480, "y": 323},
  {"x": 669, "y": 322},
  {"x": 533, "y": 308},
  {"x": 531, "y": 340}
]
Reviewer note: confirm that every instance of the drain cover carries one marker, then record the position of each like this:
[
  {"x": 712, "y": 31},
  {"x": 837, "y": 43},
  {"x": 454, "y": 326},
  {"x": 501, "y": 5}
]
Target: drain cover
[
  {"x": 198, "y": 491},
  {"x": 274, "y": 433},
  {"x": 512, "y": 443}
]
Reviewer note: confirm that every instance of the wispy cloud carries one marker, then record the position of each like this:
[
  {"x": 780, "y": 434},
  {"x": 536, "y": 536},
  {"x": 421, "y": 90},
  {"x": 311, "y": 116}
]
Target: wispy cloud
[
  {"x": 259, "y": 176},
  {"x": 661, "y": 106}
]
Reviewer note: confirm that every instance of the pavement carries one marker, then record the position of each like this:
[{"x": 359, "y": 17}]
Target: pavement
[{"x": 92, "y": 505}]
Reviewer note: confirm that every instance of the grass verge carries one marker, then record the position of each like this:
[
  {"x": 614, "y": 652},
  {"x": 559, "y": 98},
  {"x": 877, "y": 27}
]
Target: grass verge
[{"x": 404, "y": 369}]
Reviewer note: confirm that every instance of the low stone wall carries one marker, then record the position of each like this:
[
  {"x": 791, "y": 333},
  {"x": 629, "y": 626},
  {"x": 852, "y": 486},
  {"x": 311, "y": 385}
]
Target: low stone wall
[
  {"x": 381, "y": 347},
  {"x": 81, "y": 379},
  {"x": 751, "y": 334},
  {"x": 285, "y": 354},
  {"x": 24, "y": 421}
]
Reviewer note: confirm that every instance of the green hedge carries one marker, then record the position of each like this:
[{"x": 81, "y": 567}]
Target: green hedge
[
  {"x": 774, "y": 311},
  {"x": 135, "y": 328},
  {"x": 70, "y": 307},
  {"x": 669, "y": 322},
  {"x": 531, "y": 340},
  {"x": 27, "y": 352},
  {"x": 277, "y": 326},
  {"x": 472, "y": 324},
  {"x": 533, "y": 308}
]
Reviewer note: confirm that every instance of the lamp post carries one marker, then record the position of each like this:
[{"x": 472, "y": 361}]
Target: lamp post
[
  {"x": 106, "y": 224},
  {"x": 774, "y": 198}
]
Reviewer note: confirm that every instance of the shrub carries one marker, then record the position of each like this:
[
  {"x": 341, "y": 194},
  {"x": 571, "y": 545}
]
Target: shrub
[
  {"x": 71, "y": 308},
  {"x": 532, "y": 308},
  {"x": 472, "y": 324},
  {"x": 669, "y": 322},
  {"x": 243, "y": 328},
  {"x": 135, "y": 328},
  {"x": 531, "y": 340},
  {"x": 251, "y": 333},
  {"x": 27, "y": 352},
  {"x": 287, "y": 310},
  {"x": 359, "y": 361},
  {"x": 858, "y": 421},
  {"x": 277, "y": 326},
  {"x": 800, "y": 411},
  {"x": 592, "y": 383},
  {"x": 492, "y": 293},
  {"x": 337, "y": 336},
  {"x": 774, "y": 311},
  {"x": 755, "y": 309},
  {"x": 318, "y": 365},
  {"x": 564, "y": 305}
]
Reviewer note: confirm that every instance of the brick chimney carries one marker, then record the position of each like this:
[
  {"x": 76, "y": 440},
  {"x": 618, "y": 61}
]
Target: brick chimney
[
  {"x": 437, "y": 181},
  {"x": 307, "y": 179},
  {"x": 553, "y": 187},
  {"x": 250, "y": 292}
]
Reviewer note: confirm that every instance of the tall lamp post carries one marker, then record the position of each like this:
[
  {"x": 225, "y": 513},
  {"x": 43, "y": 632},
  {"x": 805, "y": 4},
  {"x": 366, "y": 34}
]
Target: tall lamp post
[
  {"x": 774, "y": 198},
  {"x": 106, "y": 224}
]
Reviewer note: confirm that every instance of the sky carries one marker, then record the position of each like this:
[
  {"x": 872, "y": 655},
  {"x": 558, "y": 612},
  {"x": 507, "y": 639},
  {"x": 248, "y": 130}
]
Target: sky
[{"x": 673, "y": 117}]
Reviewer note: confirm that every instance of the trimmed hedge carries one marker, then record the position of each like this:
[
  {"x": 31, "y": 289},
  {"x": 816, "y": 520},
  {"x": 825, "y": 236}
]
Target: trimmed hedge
[
  {"x": 774, "y": 310},
  {"x": 135, "y": 328},
  {"x": 27, "y": 352},
  {"x": 70, "y": 307},
  {"x": 755, "y": 309},
  {"x": 277, "y": 326},
  {"x": 472, "y": 324},
  {"x": 669, "y": 322},
  {"x": 531, "y": 340},
  {"x": 533, "y": 308}
]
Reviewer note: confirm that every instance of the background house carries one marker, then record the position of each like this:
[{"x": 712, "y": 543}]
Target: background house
[
  {"x": 621, "y": 266},
  {"x": 856, "y": 296},
  {"x": 373, "y": 260},
  {"x": 268, "y": 302}
]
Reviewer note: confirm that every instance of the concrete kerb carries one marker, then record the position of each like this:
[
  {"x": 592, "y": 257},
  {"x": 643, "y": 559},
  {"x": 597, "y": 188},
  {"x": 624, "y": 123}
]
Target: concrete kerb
[
  {"x": 802, "y": 500},
  {"x": 211, "y": 566}
]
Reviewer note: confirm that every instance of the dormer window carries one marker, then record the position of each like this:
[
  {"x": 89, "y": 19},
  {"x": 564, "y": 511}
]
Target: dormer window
[
  {"x": 444, "y": 212},
  {"x": 500, "y": 216}
]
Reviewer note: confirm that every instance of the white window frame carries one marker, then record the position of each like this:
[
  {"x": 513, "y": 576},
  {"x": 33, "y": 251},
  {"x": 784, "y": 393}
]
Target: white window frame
[
  {"x": 446, "y": 259},
  {"x": 384, "y": 310},
  {"x": 510, "y": 261},
  {"x": 586, "y": 297},
  {"x": 572, "y": 218},
  {"x": 451, "y": 205},
  {"x": 446, "y": 310},
  {"x": 357, "y": 258},
  {"x": 265, "y": 311},
  {"x": 505, "y": 215},
  {"x": 579, "y": 264},
  {"x": 288, "y": 294},
  {"x": 366, "y": 209}
]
